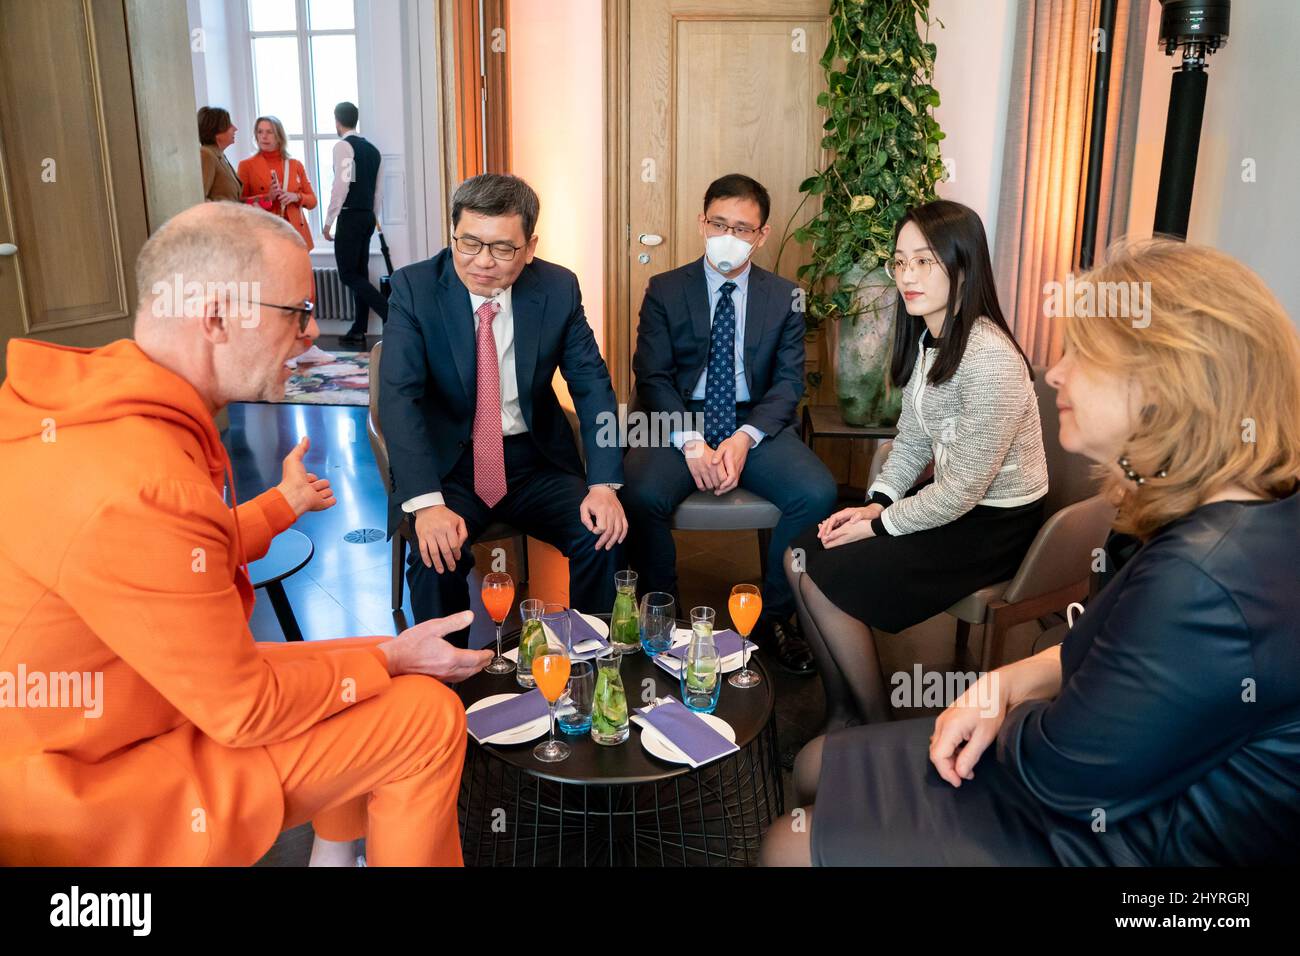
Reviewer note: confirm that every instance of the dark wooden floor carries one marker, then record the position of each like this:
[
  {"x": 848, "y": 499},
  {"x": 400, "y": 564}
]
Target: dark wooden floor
[{"x": 345, "y": 589}]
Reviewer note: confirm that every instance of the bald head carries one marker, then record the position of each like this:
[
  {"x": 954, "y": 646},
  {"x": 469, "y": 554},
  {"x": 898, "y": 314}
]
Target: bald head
[
  {"x": 212, "y": 244},
  {"x": 219, "y": 285}
]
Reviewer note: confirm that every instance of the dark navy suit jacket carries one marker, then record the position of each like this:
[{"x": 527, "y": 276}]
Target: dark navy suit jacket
[
  {"x": 429, "y": 371},
  {"x": 672, "y": 344}
]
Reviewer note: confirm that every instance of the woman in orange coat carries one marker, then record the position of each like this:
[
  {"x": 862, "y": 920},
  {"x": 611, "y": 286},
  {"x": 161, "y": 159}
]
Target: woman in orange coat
[{"x": 275, "y": 181}]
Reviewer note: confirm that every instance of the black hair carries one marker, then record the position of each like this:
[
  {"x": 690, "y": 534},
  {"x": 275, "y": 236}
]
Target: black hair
[
  {"x": 956, "y": 236},
  {"x": 739, "y": 186},
  {"x": 497, "y": 194}
]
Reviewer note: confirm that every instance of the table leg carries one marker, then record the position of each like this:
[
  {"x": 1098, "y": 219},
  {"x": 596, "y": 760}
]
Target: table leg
[{"x": 283, "y": 611}]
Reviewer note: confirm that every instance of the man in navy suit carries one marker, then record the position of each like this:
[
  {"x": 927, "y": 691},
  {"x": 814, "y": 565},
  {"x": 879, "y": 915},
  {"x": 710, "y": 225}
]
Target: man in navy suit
[
  {"x": 723, "y": 340},
  {"x": 475, "y": 431}
]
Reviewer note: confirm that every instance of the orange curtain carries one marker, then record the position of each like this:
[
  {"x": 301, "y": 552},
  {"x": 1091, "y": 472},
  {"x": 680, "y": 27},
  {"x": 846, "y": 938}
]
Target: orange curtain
[{"x": 1044, "y": 164}]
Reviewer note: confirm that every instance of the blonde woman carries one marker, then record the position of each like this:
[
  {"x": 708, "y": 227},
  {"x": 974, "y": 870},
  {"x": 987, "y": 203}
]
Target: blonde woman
[
  {"x": 1165, "y": 730},
  {"x": 274, "y": 180}
]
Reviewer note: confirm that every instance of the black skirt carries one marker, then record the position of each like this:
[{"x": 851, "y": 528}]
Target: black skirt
[{"x": 894, "y": 582}]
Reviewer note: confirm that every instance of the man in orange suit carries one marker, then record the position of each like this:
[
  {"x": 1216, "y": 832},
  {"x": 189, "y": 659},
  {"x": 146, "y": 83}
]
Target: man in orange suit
[{"x": 139, "y": 721}]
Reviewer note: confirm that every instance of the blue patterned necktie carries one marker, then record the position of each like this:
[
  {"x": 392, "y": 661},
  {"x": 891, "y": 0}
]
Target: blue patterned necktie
[{"x": 720, "y": 384}]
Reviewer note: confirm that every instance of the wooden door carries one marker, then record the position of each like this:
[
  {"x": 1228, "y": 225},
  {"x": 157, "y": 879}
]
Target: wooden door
[
  {"x": 712, "y": 87},
  {"x": 72, "y": 198}
]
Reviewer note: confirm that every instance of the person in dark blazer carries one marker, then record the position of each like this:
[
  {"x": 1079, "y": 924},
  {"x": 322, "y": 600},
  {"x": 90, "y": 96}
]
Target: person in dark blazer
[
  {"x": 722, "y": 341},
  {"x": 474, "y": 428},
  {"x": 1165, "y": 729}
]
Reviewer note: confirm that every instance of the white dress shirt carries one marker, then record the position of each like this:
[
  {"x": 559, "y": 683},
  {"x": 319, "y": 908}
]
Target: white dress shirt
[
  {"x": 344, "y": 156},
  {"x": 512, "y": 416}
]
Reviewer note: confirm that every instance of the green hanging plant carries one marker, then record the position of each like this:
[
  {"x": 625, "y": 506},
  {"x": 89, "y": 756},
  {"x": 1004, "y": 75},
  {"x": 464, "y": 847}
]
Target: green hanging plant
[{"x": 884, "y": 145}]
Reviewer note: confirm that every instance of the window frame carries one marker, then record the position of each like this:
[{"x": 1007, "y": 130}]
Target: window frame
[{"x": 310, "y": 138}]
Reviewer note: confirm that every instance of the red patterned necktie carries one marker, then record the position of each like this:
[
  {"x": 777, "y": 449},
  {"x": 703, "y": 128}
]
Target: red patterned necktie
[{"x": 489, "y": 457}]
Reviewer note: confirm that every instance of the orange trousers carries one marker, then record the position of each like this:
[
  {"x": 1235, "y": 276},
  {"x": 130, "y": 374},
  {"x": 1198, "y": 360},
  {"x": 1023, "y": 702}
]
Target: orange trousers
[{"x": 387, "y": 768}]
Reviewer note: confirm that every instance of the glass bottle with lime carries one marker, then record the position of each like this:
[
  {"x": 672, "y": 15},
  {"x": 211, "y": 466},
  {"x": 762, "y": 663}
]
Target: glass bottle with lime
[
  {"x": 609, "y": 724},
  {"x": 624, "y": 629},
  {"x": 531, "y": 638},
  {"x": 701, "y": 673}
]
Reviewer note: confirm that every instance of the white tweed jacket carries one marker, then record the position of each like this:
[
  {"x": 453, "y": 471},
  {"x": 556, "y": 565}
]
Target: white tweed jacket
[{"x": 981, "y": 430}]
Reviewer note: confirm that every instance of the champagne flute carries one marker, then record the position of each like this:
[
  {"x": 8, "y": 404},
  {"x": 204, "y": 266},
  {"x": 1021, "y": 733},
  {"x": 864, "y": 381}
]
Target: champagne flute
[
  {"x": 551, "y": 671},
  {"x": 498, "y": 595},
  {"x": 744, "y": 605}
]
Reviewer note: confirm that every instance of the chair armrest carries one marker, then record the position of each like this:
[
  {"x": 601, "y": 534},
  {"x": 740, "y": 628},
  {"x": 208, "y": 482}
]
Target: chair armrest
[
  {"x": 878, "y": 460},
  {"x": 1062, "y": 551}
]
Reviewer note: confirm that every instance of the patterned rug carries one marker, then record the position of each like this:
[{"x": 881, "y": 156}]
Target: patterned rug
[{"x": 345, "y": 381}]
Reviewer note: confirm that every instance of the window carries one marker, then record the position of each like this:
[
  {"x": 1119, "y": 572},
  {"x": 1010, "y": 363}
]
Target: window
[{"x": 304, "y": 57}]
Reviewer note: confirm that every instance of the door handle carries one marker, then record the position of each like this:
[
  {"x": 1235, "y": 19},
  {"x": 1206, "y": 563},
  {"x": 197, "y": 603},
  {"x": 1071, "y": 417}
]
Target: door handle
[
  {"x": 8, "y": 249},
  {"x": 649, "y": 239}
]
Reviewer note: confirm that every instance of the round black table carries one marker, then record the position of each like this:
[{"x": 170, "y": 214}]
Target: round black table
[
  {"x": 289, "y": 553},
  {"x": 620, "y": 805}
]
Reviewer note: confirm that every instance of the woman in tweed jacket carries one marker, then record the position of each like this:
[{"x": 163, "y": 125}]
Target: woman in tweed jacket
[{"x": 969, "y": 407}]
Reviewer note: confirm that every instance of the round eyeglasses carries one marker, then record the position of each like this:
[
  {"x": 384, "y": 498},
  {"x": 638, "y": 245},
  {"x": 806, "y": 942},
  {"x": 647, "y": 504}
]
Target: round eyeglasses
[{"x": 921, "y": 265}]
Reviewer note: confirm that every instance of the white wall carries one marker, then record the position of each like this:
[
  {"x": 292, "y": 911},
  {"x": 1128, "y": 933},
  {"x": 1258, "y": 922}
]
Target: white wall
[
  {"x": 395, "y": 61},
  {"x": 1252, "y": 112},
  {"x": 972, "y": 72}
]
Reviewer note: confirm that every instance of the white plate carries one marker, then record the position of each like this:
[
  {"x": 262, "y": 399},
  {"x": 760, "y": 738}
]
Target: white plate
[
  {"x": 600, "y": 627},
  {"x": 519, "y": 735},
  {"x": 660, "y": 746}
]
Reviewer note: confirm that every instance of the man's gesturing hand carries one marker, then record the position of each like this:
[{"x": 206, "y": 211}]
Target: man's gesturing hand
[
  {"x": 441, "y": 532},
  {"x": 300, "y": 487},
  {"x": 422, "y": 650},
  {"x": 602, "y": 513}
]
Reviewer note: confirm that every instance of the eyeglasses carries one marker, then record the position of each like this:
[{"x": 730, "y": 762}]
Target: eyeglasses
[
  {"x": 717, "y": 228},
  {"x": 303, "y": 311},
  {"x": 470, "y": 246},
  {"x": 922, "y": 265}
]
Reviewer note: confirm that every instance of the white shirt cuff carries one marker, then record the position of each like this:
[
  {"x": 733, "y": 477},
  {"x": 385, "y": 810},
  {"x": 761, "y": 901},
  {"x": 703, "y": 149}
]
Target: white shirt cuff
[
  {"x": 431, "y": 500},
  {"x": 753, "y": 433},
  {"x": 679, "y": 439}
]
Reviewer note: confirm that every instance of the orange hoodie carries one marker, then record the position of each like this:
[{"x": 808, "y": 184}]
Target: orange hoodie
[{"x": 121, "y": 564}]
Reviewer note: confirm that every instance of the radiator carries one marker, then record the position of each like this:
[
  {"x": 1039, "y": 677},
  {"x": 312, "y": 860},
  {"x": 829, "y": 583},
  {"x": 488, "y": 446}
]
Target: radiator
[{"x": 333, "y": 298}]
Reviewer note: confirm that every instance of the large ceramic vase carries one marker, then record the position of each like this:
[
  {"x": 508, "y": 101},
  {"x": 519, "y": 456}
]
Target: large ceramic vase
[{"x": 862, "y": 347}]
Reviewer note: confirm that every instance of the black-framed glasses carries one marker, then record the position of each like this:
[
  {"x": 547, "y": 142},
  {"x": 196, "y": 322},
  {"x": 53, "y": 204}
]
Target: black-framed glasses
[
  {"x": 922, "y": 265},
  {"x": 304, "y": 311},
  {"x": 740, "y": 232},
  {"x": 471, "y": 246}
]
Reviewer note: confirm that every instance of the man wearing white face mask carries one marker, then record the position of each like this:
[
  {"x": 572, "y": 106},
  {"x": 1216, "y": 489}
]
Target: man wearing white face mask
[{"x": 721, "y": 339}]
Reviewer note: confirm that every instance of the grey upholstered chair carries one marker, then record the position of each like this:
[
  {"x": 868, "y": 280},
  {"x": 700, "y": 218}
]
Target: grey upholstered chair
[
  {"x": 737, "y": 510},
  {"x": 406, "y": 533},
  {"x": 1055, "y": 570}
]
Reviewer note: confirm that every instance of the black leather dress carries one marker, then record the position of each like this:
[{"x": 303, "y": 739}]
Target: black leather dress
[{"x": 1175, "y": 739}]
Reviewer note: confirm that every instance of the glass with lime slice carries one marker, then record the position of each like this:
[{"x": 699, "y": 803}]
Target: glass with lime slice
[
  {"x": 609, "y": 723},
  {"x": 531, "y": 638},
  {"x": 624, "y": 628}
]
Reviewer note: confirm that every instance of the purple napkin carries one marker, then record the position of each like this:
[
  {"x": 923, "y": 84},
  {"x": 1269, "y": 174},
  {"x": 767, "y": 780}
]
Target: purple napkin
[
  {"x": 506, "y": 715},
  {"x": 581, "y": 630},
  {"x": 687, "y": 732},
  {"x": 727, "y": 642}
]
